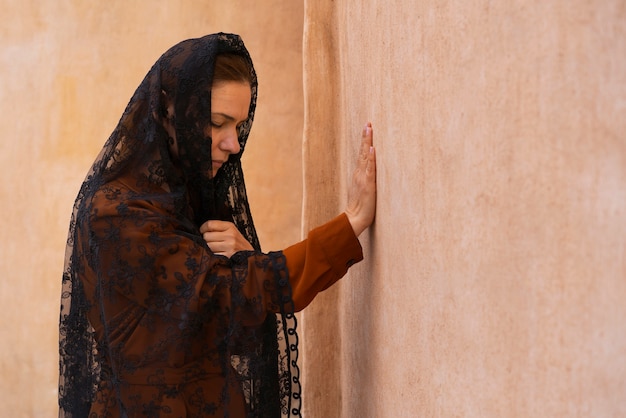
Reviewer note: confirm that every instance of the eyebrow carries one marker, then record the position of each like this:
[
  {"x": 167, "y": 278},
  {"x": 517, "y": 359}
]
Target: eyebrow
[
  {"x": 227, "y": 117},
  {"x": 224, "y": 115}
]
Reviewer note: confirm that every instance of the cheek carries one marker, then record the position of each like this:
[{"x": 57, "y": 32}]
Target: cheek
[
  {"x": 216, "y": 138},
  {"x": 208, "y": 132}
]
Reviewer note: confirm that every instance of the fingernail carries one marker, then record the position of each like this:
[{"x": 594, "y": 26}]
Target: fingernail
[
  {"x": 368, "y": 130},
  {"x": 371, "y": 150}
]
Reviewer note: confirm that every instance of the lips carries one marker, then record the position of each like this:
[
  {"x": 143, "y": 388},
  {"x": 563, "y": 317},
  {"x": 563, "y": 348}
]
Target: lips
[{"x": 217, "y": 165}]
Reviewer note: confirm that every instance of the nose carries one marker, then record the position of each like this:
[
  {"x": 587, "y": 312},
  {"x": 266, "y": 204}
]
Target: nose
[{"x": 230, "y": 143}]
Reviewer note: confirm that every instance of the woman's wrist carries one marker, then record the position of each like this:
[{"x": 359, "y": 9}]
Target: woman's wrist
[{"x": 358, "y": 226}]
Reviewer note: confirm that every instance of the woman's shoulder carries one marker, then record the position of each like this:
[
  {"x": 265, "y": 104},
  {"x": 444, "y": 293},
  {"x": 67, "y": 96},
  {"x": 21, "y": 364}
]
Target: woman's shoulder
[
  {"x": 110, "y": 194},
  {"x": 117, "y": 198}
]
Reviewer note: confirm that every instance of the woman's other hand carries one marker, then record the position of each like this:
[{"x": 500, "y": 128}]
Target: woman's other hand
[
  {"x": 224, "y": 238},
  {"x": 361, "y": 207}
]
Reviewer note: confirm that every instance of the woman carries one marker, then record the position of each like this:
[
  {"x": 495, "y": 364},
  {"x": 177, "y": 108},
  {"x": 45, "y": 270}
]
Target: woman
[{"x": 169, "y": 307}]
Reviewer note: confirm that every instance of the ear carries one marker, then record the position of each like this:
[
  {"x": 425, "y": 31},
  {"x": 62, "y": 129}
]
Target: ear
[
  {"x": 167, "y": 107},
  {"x": 166, "y": 118}
]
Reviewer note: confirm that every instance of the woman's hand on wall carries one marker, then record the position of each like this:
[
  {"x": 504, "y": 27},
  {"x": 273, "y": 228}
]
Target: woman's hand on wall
[
  {"x": 361, "y": 207},
  {"x": 224, "y": 238}
]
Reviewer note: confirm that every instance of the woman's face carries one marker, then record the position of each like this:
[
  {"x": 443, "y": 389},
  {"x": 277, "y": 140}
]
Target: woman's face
[{"x": 230, "y": 101}]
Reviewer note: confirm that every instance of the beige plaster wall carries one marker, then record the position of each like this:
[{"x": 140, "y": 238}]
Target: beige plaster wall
[
  {"x": 67, "y": 70},
  {"x": 495, "y": 276}
]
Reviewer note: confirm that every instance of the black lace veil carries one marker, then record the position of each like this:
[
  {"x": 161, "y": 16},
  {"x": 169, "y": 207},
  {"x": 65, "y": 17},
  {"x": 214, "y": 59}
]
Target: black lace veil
[{"x": 137, "y": 187}]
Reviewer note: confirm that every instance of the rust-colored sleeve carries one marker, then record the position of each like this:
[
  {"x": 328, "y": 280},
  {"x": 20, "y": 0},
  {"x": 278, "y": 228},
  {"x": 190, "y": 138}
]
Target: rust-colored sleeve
[{"x": 320, "y": 260}]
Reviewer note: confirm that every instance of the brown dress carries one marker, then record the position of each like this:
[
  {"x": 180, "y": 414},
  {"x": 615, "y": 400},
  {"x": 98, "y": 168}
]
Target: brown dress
[{"x": 137, "y": 328}]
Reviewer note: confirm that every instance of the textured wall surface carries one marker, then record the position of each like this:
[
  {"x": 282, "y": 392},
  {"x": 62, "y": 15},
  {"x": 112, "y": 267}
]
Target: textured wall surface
[
  {"x": 67, "y": 70},
  {"x": 495, "y": 276}
]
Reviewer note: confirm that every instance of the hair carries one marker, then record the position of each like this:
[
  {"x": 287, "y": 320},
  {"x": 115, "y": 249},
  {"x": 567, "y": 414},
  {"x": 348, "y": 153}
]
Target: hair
[{"x": 231, "y": 67}]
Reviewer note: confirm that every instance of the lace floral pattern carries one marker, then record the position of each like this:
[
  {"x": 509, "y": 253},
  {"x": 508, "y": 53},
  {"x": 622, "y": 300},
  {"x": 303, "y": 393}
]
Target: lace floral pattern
[{"x": 152, "y": 323}]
